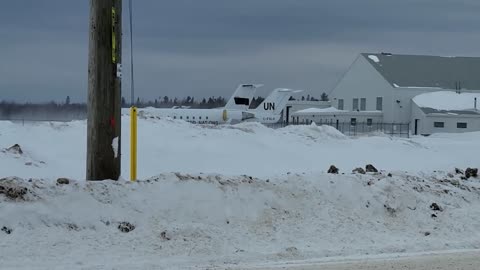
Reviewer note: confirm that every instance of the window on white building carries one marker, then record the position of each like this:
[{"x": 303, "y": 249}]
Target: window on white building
[
  {"x": 353, "y": 121},
  {"x": 369, "y": 121},
  {"x": 439, "y": 124},
  {"x": 363, "y": 104},
  {"x": 379, "y": 104},
  {"x": 461, "y": 125},
  {"x": 355, "y": 104},
  {"x": 340, "y": 104}
]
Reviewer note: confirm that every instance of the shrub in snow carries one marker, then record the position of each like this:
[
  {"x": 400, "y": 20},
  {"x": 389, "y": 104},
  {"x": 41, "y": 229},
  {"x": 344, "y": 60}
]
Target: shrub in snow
[
  {"x": 164, "y": 236},
  {"x": 13, "y": 192},
  {"x": 126, "y": 227},
  {"x": 390, "y": 210},
  {"x": 6, "y": 230},
  {"x": 435, "y": 207},
  {"x": 471, "y": 172},
  {"x": 15, "y": 149},
  {"x": 370, "y": 168},
  {"x": 333, "y": 169},
  {"x": 359, "y": 170},
  {"x": 63, "y": 181}
]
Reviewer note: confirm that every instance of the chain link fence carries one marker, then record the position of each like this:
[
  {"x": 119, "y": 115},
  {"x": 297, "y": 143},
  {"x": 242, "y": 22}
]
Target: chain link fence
[{"x": 359, "y": 128}]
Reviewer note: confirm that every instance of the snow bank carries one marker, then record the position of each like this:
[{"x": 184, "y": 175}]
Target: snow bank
[
  {"x": 314, "y": 132},
  {"x": 206, "y": 220},
  {"x": 447, "y": 100},
  {"x": 165, "y": 145},
  {"x": 316, "y": 110}
]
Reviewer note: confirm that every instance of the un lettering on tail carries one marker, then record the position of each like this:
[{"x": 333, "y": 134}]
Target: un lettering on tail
[{"x": 269, "y": 106}]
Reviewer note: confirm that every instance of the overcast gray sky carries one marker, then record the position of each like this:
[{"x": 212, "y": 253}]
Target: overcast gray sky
[{"x": 208, "y": 47}]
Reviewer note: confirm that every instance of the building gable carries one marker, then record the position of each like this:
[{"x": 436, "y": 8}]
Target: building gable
[{"x": 362, "y": 81}]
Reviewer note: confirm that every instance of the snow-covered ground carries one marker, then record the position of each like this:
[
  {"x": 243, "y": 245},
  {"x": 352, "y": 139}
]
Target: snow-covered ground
[
  {"x": 232, "y": 195},
  {"x": 59, "y": 149}
]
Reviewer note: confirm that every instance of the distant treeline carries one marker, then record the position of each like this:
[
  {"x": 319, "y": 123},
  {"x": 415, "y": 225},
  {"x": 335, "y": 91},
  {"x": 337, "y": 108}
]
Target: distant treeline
[
  {"x": 67, "y": 111},
  {"x": 41, "y": 112}
]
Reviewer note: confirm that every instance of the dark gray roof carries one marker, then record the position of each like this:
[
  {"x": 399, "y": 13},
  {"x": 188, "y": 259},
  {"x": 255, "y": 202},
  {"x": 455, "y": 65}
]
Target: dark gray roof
[
  {"x": 462, "y": 112},
  {"x": 427, "y": 71}
]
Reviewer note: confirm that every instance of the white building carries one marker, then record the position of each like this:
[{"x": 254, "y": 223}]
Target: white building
[
  {"x": 334, "y": 116},
  {"x": 386, "y": 84},
  {"x": 445, "y": 111}
]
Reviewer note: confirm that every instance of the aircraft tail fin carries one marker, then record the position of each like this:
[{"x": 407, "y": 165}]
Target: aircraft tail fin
[
  {"x": 276, "y": 101},
  {"x": 242, "y": 97}
]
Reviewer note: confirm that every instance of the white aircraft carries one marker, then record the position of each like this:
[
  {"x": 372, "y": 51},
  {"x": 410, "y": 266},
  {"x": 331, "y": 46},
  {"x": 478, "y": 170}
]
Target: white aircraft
[{"x": 234, "y": 112}]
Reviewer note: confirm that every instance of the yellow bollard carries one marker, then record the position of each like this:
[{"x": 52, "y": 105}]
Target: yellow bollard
[{"x": 133, "y": 143}]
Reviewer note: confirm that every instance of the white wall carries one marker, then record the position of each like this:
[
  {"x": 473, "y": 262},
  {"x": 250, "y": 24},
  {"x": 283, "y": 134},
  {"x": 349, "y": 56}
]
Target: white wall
[
  {"x": 426, "y": 122},
  {"x": 402, "y": 112},
  {"x": 417, "y": 113},
  {"x": 363, "y": 81},
  {"x": 361, "y": 117},
  {"x": 450, "y": 126}
]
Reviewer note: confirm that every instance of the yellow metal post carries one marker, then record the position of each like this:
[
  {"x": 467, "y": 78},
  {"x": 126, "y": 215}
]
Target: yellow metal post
[
  {"x": 114, "y": 37},
  {"x": 133, "y": 143}
]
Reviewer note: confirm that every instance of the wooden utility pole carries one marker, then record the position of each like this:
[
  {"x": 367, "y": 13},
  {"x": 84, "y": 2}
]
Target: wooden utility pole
[{"x": 104, "y": 90}]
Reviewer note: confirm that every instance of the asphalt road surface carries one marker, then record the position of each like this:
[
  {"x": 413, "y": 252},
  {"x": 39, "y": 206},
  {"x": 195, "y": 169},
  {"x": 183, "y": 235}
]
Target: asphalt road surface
[{"x": 446, "y": 261}]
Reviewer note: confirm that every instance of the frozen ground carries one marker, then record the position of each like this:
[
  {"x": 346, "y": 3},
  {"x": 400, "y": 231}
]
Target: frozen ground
[{"x": 245, "y": 195}]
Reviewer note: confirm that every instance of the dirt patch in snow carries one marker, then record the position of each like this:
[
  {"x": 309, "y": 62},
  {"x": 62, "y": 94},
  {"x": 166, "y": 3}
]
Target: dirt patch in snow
[{"x": 14, "y": 189}]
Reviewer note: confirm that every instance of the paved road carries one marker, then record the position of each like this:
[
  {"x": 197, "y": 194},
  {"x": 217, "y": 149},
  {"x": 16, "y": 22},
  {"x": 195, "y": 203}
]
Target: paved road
[{"x": 446, "y": 261}]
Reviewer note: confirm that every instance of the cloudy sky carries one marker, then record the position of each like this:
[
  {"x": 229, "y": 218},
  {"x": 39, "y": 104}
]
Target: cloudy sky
[{"x": 208, "y": 47}]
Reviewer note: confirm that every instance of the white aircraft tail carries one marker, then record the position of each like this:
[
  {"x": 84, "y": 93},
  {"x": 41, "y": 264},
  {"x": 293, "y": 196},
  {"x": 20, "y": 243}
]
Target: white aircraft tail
[
  {"x": 242, "y": 97},
  {"x": 276, "y": 101}
]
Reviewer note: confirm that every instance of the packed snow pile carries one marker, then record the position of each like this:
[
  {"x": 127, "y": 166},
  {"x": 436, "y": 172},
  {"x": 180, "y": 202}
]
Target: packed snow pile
[
  {"x": 448, "y": 100},
  {"x": 314, "y": 132},
  {"x": 317, "y": 110},
  {"x": 53, "y": 150},
  {"x": 183, "y": 220}
]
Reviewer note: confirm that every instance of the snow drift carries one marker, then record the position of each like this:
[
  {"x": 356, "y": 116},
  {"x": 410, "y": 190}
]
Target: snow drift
[
  {"x": 52, "y": 150},
  {"x": 205, "y": 220}
]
